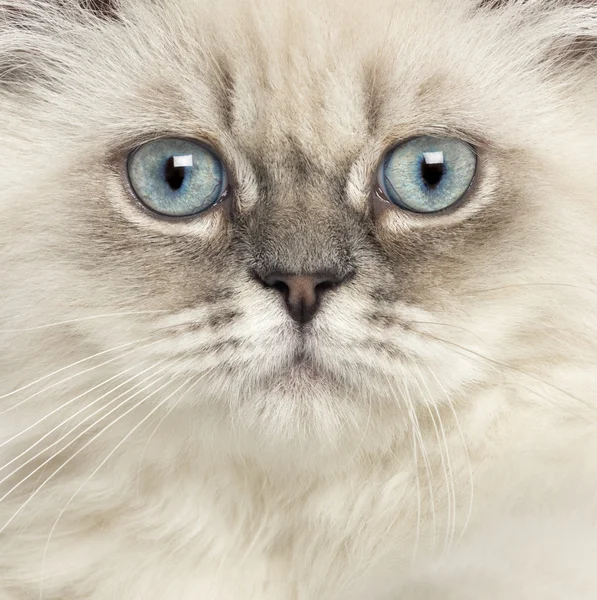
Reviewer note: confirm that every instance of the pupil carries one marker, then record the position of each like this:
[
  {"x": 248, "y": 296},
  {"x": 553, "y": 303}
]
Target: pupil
[
  {"x": 432, "y": 173},
  {"x": 174, "y": 175}
]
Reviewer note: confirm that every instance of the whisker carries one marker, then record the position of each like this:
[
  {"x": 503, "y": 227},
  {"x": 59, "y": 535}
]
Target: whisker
[
  {"x": 105, "y": 460},
  {"x": 530, "y": 284},
  {"x": 564, "y": 410},
  {"x": 451, "y": 489},
  {"x": 102, "y": 408},
  {"x": 81, "y": 319},
  {"x": 416, "y": 466},
  {"x": 164, "y": 417},
  {"x": 467, "y": 455},
  {"x": 62, "y": 406},
  {"x": 448, "y": 325},
  {"x": 446, "y": 464},
  {"x": 78, "y": 362},
  {"x": 497, "y": 363},
  {"x": 181, "y": 544},
  {"x": 440, "y": 447},
  {"x": 424, "y": 454},
  {"x": 17, "y": 485}
]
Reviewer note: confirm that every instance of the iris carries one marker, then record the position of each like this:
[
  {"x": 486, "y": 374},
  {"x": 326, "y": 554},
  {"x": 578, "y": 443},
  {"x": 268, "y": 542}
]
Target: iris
[
  {"x": 427, "y": 174},
  {"x": 176, "y": 177}
]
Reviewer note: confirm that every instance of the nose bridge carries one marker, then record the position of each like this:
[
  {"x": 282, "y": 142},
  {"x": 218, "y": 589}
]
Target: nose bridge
[
  {"x": 300, "y": 224},
  {"x": 304, "y": 239}
]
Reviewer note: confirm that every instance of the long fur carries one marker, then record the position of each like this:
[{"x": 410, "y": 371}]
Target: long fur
[{"x": 158, "y": 440}]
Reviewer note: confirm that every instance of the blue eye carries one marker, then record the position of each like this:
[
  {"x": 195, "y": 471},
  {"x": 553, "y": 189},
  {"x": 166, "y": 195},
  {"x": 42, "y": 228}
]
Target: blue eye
[
  {"x": 176, "y": 177},
  {"x": 427, "y": 174}
]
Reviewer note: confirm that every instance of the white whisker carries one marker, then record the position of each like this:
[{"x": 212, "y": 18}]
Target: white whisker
[
  {"x": 466, "y": 452},
  {"x": 444, "y": 457},
  {"x": 87, "y": 418},
  {"x": 17, "y": 485},
  {"x": 90, "y": 318},
  {"x": 164, "y": 417},
  {"x": 424, "y": 454},
  {"x": 61, "y": 407},
  {"x": 416, "y": 467},
  {"x": 497, "y": 365},
  {"x": 105, "y": 460},
  {"x": 72, "y": 376},
  {"x": 451, "y": 489}
]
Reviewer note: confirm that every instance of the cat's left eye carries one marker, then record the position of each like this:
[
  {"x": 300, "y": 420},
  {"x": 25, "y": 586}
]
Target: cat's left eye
[
  {"x": 176, "y": 177},
  {"x": 427, "y": 174}
]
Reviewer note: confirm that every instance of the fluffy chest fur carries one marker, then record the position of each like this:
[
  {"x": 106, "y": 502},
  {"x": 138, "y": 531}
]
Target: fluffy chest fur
[
  {"x": 153, "y": 525},
  {"x": 290, "y": 373}
]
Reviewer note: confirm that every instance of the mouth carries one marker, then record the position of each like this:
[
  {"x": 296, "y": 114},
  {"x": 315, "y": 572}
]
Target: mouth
[
  {"x": 304, "y": 366},
  {"x": 302, "y": 360}
]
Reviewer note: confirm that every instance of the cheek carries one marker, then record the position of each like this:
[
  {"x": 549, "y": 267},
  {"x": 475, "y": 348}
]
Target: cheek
[
  {"x": 146, "y": 268},
  {"x": 412, "y": 314},
  {"x": 242, "y": 332},
  {"x": 436, "y": 265}
]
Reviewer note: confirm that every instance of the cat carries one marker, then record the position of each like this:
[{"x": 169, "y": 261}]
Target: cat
[{"x": 298, "y": 300}]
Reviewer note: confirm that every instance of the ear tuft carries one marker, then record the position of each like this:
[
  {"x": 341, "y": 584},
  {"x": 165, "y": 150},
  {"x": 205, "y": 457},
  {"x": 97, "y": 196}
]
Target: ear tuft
[
  {"x": 27, "y": 31},
  {"x": 566, "y": 29},
  {"x": 492, "y": 4},
  {"x": 534, "y": 4},
  {"x": 105, "y": 9}
]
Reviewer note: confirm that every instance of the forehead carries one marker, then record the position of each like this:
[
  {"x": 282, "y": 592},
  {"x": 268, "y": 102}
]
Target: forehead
[
  {"x": 328, "y": 74},
  {"x": 288, "y": 77},
  {"x": 272, "y": 77}
]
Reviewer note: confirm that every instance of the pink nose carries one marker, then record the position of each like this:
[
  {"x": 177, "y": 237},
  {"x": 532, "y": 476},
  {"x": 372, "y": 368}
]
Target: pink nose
[{"x": 302, "y": 293}]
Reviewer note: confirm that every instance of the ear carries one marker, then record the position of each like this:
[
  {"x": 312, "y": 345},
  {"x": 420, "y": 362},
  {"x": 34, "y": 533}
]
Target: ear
[
  {"x": 565, "y": 29},
  {"x": 106, "y": 9},
  {"x": 31, "y": 30},
  {"x": 536, "y": 4},
  {"x": 19, "y": 10}
]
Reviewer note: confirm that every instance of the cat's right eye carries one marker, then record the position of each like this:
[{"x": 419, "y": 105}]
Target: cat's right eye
[{"x": 176, "y": 177}]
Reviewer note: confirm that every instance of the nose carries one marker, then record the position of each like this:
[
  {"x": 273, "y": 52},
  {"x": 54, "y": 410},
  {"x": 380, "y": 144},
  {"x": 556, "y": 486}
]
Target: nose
[{"x": 302, "y": 293}]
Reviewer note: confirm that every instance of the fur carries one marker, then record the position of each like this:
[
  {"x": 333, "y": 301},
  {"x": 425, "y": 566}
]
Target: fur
[{"x": 159, "y": 438}]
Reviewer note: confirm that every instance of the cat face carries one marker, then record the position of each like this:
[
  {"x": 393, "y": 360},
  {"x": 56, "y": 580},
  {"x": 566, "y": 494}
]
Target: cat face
[{"x": 303, "y": 301}]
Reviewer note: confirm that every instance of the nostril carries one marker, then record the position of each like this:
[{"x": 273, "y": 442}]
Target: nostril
[
  {"x": 281, "y": 287},
  {"x": 324, "y": 286},
  {"x": 301, "y": 292}
]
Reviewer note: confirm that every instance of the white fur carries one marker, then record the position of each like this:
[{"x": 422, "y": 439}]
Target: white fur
[{"x": 468, "y": 475}]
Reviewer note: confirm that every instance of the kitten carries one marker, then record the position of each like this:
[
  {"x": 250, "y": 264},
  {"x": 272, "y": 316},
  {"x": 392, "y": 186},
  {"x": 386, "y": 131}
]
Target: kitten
[{"x": 298, "y": 300}]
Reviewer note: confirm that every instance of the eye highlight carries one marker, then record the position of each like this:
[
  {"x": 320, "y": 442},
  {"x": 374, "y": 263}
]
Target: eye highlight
[
  {"x": 176, "y": 177},
  {"x": 427, "y": 174}
]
